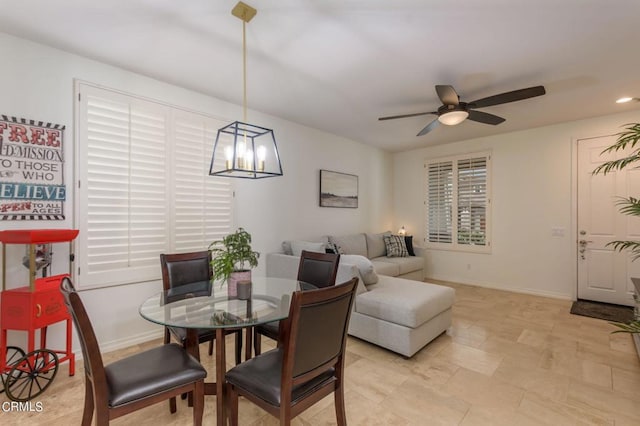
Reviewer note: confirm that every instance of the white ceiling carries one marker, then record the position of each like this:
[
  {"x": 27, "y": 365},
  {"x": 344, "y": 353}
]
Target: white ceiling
[{"x": 338, "y": 65}]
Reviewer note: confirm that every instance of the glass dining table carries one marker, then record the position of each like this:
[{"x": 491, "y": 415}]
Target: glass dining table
[{"x": 201, "y": 305}]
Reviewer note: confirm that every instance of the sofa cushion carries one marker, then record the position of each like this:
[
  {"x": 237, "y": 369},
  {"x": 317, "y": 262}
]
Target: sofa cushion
[
  {"x": 351, "y": 244},
  {"x": 405, "y": 302},
  {"x": 396, "y": 246},
  {"x": 385, "y": 268},
  {"x": 405, "y": 264},
  {"x": 365, "y": 267},
  {"x": 298, "y": 246},
  {"x": 375, "y": 244}
]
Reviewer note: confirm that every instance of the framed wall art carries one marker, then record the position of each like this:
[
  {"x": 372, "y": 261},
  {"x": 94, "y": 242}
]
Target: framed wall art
[
  {"x": 338, "y": 189},
  {"x": 32, "y": 183}
]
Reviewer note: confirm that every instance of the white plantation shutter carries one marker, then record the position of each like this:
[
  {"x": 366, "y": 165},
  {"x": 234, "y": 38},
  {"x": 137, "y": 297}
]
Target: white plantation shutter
[
  {"x": 202, "y": 204},
  {"x": 439, "y": 196},
  {"x": 458, "y": 202},
  {"x": 472, "y": 200},
  {"x": 143, "y": 187}
]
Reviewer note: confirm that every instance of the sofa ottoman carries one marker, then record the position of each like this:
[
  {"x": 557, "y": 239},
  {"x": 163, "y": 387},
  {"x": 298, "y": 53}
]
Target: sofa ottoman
[
  {"x": 398, "y": 314},
  {"x": 401, "y": 315}
]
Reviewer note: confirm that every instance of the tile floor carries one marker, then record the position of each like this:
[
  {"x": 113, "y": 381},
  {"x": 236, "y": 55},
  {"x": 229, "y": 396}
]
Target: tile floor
[{"x": 509, "y": 359}]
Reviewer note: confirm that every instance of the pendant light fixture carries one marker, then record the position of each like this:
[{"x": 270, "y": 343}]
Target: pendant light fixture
[{"x": 244, "y": 150}]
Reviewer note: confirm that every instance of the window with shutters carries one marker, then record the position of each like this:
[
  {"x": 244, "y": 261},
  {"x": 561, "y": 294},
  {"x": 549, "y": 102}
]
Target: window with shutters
[
  {"x": 458, "y": 202},
  {"x": 143, "y": 186}
]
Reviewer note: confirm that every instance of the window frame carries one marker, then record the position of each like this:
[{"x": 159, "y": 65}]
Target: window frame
[{"x": 454, "y": 244}]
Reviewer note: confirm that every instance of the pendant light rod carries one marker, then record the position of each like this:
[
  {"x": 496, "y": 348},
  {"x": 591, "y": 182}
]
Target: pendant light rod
[
  {"x": 245, "y": 13},
  {"x": 244, "y": 71}
]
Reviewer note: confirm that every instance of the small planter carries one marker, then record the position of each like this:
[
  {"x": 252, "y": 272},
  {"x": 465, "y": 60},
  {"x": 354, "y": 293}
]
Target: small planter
[{"x": 232, "y": 282}]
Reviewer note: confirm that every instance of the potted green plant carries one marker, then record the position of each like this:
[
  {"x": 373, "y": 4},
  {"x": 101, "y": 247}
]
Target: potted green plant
[
  {"x": 630, "y": 137},
  {"x": 232, "y": 259}
]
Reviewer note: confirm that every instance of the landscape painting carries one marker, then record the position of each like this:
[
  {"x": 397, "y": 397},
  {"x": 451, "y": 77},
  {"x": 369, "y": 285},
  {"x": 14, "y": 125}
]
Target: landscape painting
[{"x": 338, "y": 189}]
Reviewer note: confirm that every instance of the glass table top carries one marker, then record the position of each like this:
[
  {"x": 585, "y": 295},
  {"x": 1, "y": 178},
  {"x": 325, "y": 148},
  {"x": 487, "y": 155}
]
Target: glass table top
[{"x": 206, "y": 305}]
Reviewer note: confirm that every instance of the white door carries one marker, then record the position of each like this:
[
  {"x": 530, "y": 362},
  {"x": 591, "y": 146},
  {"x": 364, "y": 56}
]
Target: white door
[{"x": 603, "y": 274}]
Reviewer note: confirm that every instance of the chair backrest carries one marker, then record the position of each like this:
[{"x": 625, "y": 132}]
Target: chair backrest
[
  {"x": 315, "y": 333},
  {"x": 93, "y": 364},
  {"x": 319, "y": 269},
  {"x": 185, "y": 268}
]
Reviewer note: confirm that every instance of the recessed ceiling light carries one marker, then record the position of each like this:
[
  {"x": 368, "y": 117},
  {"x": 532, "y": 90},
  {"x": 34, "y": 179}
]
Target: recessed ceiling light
[{"x": 624, "y": 100}]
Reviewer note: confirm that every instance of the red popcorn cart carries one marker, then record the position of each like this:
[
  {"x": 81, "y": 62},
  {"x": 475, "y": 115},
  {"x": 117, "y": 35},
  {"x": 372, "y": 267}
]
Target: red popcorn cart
[{"x": 30, "y": 308}]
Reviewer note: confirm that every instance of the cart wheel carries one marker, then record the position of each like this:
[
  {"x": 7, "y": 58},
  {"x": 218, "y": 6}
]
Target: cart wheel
[
  {"x": 31, "y": 375},
  {"x": 12, "y": 356}
]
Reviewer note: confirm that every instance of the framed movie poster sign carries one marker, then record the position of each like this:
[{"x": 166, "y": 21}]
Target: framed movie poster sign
[
  {"x": 338, "y": 189},
  {"x": 31, "y": 170}
]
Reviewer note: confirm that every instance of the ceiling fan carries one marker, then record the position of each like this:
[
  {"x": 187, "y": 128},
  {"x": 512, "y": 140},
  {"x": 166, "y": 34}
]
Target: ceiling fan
[{"x": 453, "y": 111}]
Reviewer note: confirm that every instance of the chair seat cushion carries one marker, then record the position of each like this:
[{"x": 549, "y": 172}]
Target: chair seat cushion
[
  {"x": 262, "y": 375},
  {"x": 270, "y": 329},
  {"x": 204, "y": 334},
  {"x": 150, "y": 372}
]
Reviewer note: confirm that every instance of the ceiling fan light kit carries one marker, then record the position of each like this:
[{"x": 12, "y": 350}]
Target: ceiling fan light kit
[
  {"x": 244, "y": 150},
  {"x": 452, "y": 118},
  {"x": 453, "y": 111}
]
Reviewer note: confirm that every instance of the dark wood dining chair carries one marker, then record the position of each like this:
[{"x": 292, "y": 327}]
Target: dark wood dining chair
[
  {"x": 192, "y": 269},
  {"x": 135, "y": 382},
  {"x": 318, "y": 269},
  {"x": 309, "y": 363}
]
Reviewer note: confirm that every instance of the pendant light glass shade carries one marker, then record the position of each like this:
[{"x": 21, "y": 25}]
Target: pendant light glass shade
[{"x": 245, "y": 151}]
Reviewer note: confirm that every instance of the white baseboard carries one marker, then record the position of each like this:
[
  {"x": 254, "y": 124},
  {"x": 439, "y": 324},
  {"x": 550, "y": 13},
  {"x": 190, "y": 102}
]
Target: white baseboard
[
  {"x": 114, "y": 345},
  {"x": 130, "y": 341},
  {"x": 533, "y": 292}
]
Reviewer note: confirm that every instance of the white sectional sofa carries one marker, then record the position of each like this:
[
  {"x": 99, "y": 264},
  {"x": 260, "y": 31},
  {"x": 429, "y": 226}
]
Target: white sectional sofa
[
  {"x": 370, "y": 246},
  {"x": 400, "y": 314}
]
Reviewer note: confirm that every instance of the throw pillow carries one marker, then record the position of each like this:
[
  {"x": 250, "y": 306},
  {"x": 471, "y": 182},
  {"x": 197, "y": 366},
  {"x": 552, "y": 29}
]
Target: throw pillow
[
  {"x": 364, "y": 265},
  {"x": 408, "y": 241},
  {"x": 298, "y": 246},
  {"x": 395, "y": 246},
  {"x": 286, "y": 247},
  {"x": 333, "y": 248}
]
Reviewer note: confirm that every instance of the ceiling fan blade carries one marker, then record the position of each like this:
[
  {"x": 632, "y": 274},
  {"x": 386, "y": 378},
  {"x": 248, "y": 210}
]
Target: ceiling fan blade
[
  {"x": 429, "y": 127},
  {"x": 484, "y": 117},
  {"x": 447, "y": 94},
  {"x": 503, "y": 98},
  {"x": 393, "y": 117}
]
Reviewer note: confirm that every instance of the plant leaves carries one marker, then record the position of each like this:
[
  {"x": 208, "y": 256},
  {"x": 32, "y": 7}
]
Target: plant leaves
[
  {"x": 632, "y": 327},
  {"x": 232, "y": 253}
]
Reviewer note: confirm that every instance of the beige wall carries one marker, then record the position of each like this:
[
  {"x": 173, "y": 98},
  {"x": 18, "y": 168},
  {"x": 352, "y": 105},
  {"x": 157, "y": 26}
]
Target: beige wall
[
  {"x": 37, "y": 82},
  {"x": 533, "y": 192}
]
